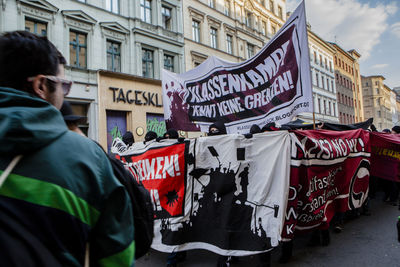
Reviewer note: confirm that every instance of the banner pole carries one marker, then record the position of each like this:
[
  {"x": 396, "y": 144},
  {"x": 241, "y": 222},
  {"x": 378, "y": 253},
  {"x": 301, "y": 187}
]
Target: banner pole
[{"x": 313, "y": 119}]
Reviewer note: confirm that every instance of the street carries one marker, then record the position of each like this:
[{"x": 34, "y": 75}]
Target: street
[{"x": 365, "y": 241}]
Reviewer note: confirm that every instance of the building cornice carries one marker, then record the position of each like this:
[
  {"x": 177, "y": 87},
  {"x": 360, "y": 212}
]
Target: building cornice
[{"x": 126, "y": 76}]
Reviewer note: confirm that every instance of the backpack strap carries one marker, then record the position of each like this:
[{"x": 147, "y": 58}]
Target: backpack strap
[{"x": 9, "y": 168}]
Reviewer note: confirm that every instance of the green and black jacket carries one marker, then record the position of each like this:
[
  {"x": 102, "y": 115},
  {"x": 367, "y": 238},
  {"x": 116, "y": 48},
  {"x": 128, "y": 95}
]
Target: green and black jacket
[{"x": 61, "y": 195}]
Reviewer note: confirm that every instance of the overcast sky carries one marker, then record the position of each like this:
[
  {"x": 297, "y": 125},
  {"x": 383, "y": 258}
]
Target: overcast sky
[{"x": 372, "y": 27}]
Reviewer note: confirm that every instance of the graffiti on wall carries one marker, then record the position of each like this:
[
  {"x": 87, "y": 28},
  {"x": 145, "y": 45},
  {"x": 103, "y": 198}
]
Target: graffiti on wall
[{"x": 156, "y": 123}]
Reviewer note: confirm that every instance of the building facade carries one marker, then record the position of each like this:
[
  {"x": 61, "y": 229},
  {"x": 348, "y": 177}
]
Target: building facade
[
  {"x": 234, "y": 30},
  {"x": 323, "y": 81},
  {"x": 131, "y": 103},
  {"x": 136, "y": 37},
  {"x": 357, "y": 90},
  {"x": 377, "y": 101},
  {"x": 347, "y": 78},
  {"x": 393, "y": 107}
]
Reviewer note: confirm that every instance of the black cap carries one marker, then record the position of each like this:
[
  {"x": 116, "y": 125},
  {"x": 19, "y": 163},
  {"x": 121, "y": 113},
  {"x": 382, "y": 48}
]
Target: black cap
[
  {"x": 396, "y": 129},
  {"x": 68, "y": 114},
  {"x": 128, "y": 138},
  {"x": 218, "y": 125},
  {"x": 150, "y": 136},
  {"x": 171, "y": 134},
  {"x": 255, "y": 129}
]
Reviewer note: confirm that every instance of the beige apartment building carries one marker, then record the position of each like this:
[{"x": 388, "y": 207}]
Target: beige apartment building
[
  {"x": 377, "y": 101},
  {"x": 234, "y": 30},
  {"x": 357, "y": 92},
  {"x": 348, "y": 85}
]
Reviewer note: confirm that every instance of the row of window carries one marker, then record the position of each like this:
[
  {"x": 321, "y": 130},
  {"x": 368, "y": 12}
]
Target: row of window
[
  {"x": 345, "y": 82},
  {"x": 146, "y": 14},
  {"x": 250, "y": 20},
  {"x": 214, "y": 39},
  {"x": 345, "y": 100},
  {"x": 346, "y": 118},
  {"x": 323, "y": 62},
  {"x": 227, "y": 7},
  {"x": 329, "y": 108},
  {"x": 340, "y": 62},
  {"x": 145, "y": 11},
  {"x": 324, "y": 83},
  {"x": 78, "y": 51}
]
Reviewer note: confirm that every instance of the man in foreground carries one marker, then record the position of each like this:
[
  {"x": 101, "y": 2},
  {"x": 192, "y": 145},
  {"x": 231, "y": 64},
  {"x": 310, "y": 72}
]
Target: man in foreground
[{"x": 62, "y": 196}]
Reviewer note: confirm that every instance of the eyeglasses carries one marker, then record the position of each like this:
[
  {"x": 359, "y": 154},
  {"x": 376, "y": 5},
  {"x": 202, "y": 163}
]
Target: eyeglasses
[{"x": 65, "y": 84}]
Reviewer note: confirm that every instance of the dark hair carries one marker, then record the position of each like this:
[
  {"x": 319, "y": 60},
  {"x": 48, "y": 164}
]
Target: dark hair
[
  {"x": 128, "y": 138},
  {"x": 150, "y": 136},
  {"x": 255, "y": 129},
  {"x": 171, "y": 134},
  {"x": 23, "y": 55},
  {"x": 396, "y": 129}
]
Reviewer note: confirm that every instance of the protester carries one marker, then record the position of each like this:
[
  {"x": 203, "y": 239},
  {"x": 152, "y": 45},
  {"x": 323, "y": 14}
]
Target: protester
[
  {"x": 255, "y": 129},
  {"x": 171, "y": 134},
  {"x": 217, "y": 128},
  {"x": 128, "y": 138},
  {"x": 71, "y": 119},
  {"x": 62, "y": 196},
  {"x": 150, "y": 135},
  {"x": 391, "y": 188},
  {"x": 396, "y": 130},
  {"x": 386, "y": 131}
]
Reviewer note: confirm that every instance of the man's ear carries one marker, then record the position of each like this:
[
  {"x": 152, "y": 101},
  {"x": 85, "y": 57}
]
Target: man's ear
[{"x": 39, "y": 86}]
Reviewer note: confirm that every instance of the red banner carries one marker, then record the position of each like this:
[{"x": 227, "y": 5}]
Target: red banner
[
  {"x": 162, "y": 172},
  {"x": 385, "y": 156},
  {"x": 329, "y": 174}
]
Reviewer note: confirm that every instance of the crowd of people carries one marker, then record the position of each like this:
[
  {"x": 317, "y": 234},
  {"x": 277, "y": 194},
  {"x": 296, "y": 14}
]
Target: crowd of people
[{"x": 319, "y": 237}]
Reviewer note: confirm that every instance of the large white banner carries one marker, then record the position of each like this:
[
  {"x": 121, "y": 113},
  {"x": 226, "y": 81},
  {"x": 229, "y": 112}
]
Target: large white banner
[
  {"x": 272, "y": 86},
  {"x": 227, "y": 194}
]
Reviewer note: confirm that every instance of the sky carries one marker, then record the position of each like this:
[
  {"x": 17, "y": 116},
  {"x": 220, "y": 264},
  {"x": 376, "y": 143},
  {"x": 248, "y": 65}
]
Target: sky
[{"x": 371, "y": 27}]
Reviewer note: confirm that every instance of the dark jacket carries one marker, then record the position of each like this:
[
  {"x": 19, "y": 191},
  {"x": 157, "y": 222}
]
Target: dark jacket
[{"x": 61, "y": 195}]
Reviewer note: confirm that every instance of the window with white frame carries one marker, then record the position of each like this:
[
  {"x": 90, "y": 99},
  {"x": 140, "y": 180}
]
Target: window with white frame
[
  {"x": 229, "y": 44},
  {"x": 249, "y": 21},
  {"x": 280, "y": 13},
  {"x": 113, "y": 6},
  {"x": 250, "y": 50},
  {"x": 330, "y": 108},
  {"x": 145, "y": 9},
  {"x": 227, "y": 8},
  {"x": 271, "y": 6},
  {"x": 166, "y": 17},
  {"x": 273, "y": 30},
  {"x": 147, "y": 63},
  {"x": 169, "y": 62},
  {"x": 319, "y": 106},
  {"x": 196, "y": 30},
  {"x": 36, "y": 27},
  {"x": 264, "y": 28},
  {"x": 214, "y": 38},
  {"x": 113, "y": 56},
  {"x": 211, "y": 3},
  {"x": 334, "y": 109}
]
